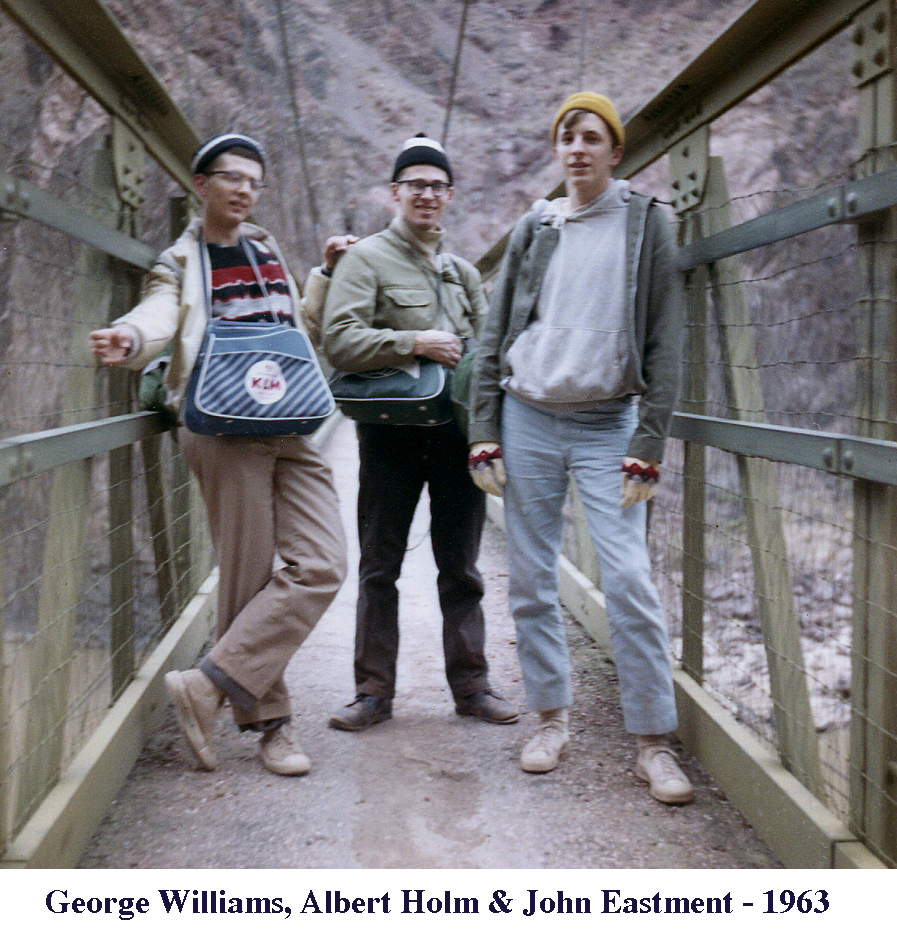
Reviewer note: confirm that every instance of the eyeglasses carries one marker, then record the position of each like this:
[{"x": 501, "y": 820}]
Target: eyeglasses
[
  {"x": 232, "y": 178},
  {"x": 418, "y": 187}
]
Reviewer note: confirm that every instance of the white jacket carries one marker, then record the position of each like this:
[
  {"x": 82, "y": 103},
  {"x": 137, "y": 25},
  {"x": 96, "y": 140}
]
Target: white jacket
[{"x": 173, "y": 307}]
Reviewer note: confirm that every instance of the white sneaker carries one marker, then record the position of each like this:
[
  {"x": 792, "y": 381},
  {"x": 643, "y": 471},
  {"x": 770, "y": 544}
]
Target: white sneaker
[
  {"x": 197, "y": 701},
  {"x": 281, "y": 755},
  {"x": 544, "y": 750},
  {"x": 657, "y": 766}
]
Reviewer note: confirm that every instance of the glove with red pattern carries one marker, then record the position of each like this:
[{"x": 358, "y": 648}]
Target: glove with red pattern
[
  {"x": 639, "y": 482},
  {"x": 487, "y": 469}
]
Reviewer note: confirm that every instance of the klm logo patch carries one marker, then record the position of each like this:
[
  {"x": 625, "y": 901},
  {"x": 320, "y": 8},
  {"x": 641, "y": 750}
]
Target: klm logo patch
[{"x": 265, "y": 382}]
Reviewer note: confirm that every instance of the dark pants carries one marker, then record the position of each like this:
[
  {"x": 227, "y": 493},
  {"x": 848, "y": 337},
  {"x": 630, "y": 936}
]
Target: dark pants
[{"x": 396, "y": 462}]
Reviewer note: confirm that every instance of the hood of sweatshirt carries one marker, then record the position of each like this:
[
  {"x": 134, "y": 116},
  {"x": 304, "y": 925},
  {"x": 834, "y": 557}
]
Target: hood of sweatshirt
[{"x": 557, "y": 212}]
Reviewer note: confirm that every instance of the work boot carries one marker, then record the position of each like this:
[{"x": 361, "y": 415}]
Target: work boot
[
  {"x": 365, "y": 711},
  {"x": 487, "y": 706},
  {"x": 656, "y": 764},
  {"x": 197, "y": 701},
  {"x": 281, "y": 754},
  {"x": 544, "y": 749}
]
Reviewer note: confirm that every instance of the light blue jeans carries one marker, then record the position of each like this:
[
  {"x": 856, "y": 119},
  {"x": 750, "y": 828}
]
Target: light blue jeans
[{"x": 540, "y": 451}]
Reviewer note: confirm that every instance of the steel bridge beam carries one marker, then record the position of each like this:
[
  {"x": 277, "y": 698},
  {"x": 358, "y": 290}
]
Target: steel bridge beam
[
  {"x": 85, "y": 39},
  {"x": 765, "y": 40},
  {"x": 27, "y": 201}
]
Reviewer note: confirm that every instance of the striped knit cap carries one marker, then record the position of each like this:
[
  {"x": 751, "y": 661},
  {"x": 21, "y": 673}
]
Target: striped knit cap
[
  {"x": 421, "y": 150},
  {"x": 220, "y": 144}
]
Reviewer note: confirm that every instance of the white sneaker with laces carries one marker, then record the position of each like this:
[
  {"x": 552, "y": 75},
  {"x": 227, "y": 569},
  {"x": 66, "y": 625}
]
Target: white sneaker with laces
[
  {"x": 197, "y": 702},
  {"x": 544, "y": 749},
  {"x": 281, "y": 754},
  {"x": 656, "y": 764}
]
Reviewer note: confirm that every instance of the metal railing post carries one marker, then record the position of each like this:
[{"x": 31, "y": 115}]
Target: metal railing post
[
  {"x": 62, "y": 564},
  {"x": 798, "y": 745},
  {"x": 694, "y": 474},
  {"x": 688, "y": 171},
  {"x": 873, "y": 731}
]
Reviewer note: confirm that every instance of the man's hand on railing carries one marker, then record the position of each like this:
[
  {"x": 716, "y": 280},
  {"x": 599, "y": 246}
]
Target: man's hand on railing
[
  {"x": 112, "y": 345},
  {"x": 487, "y": 469},
  {"x": 639, "y": 481}
]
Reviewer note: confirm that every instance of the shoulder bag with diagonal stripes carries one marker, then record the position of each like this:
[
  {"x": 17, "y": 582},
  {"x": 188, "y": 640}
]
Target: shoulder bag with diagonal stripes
[{"x": 258, "y": 378}]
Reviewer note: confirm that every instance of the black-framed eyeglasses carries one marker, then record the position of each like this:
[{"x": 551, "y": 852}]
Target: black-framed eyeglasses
[
  {"x": 419, "y": 187},
  {"x": 235, "y": 179}
]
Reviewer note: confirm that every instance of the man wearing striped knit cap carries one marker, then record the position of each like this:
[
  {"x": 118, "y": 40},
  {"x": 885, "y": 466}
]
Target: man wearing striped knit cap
[{"x": 266, "y": 498}]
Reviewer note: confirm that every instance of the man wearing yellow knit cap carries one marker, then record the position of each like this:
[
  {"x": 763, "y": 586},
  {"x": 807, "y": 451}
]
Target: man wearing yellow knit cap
[{"x": 578, "y": 373}]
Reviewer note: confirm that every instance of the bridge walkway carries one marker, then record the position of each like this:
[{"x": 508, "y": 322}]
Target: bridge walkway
[{"x": 428, "y": 789}]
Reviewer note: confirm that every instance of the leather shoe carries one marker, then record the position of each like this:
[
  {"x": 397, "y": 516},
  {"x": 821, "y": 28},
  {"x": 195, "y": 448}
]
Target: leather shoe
[
  {"x": 487, "y": 706},
  {"x": 365, "y": 711}
]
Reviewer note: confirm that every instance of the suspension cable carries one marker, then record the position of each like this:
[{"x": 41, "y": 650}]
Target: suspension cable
[
  {"x": 583, "y": 27},
  {"x": 455, "y": 68},
  {"x": 185, "y": 46},
  {"x": 297, "y": 119}
]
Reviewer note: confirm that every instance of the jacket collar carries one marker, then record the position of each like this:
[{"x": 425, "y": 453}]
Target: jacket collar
[{"x": 249, "y": 229}]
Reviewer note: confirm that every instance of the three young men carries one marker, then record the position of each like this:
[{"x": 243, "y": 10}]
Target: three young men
[{"x": 578, "y": 373}]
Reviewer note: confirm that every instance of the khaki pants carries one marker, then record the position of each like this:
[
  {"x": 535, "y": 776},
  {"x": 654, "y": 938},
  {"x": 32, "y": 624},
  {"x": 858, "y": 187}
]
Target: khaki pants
[{"x": 275, "y": 524}]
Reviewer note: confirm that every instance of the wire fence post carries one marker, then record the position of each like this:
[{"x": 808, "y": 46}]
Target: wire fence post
[
  {"x": 63, "y": 562},
  {"x": 189, "y": 532},
  {"x": 873, "y": 731},
  {"x": 796, "y": 730},
  {"x": 121, "y": 544},
  {"x": 694, "y": 470}
]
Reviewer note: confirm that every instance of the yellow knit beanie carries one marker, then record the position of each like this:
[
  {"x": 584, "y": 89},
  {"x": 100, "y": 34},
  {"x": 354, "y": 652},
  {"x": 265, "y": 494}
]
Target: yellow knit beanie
[{"x": 597, "y": 104}]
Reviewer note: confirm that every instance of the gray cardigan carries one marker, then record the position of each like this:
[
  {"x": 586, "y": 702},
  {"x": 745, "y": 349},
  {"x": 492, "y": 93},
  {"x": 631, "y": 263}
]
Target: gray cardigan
[{"x": 655, "y": 300}]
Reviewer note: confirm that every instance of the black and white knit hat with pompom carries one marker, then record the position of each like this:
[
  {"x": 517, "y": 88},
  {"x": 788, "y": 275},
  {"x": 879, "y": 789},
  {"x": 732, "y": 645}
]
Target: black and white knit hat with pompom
[{"x": 421, "y": 150}]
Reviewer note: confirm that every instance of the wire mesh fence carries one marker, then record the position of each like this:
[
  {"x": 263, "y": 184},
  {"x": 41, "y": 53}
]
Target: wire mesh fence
[
  {"x": 79, "y": 621},
  {"x": 817, "y": 517},
  {"x": 98, "y": 554},
  {"x": 803, "y": 333}
]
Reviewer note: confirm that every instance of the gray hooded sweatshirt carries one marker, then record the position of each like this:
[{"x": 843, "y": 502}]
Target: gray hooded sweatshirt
[{"x": 577, "y": 352}]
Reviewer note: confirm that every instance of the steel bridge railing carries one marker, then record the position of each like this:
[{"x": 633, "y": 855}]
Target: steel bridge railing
[
  {"x": 773, "y": 542},
  {"x": 772, "y": 536}
]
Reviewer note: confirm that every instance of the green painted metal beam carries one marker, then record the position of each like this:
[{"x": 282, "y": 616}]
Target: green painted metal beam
[
  {"x": 29, "y": 454},
  {"x": 20, "y": 198},
  {"x": 766, "y": 39},
  {"x": 850, "y": 202},
  {"x": 85, "y": 39}
]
